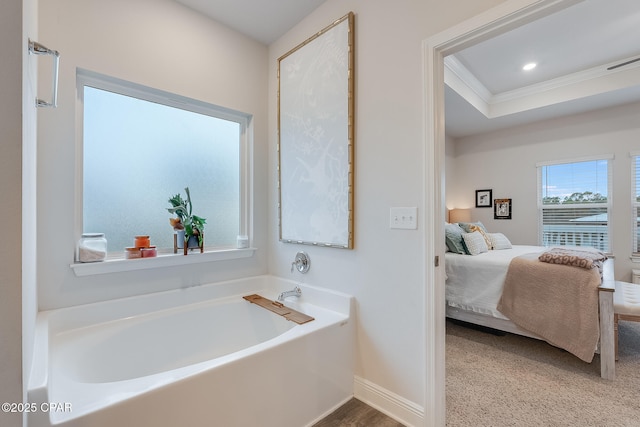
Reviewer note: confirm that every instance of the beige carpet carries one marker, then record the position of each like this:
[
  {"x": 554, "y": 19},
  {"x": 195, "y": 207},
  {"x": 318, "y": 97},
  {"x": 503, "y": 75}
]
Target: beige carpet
[{"x": 516, "y": 381}]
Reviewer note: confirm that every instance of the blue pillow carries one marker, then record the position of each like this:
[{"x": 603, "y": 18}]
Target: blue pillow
[{"x": 453, "y": 238}]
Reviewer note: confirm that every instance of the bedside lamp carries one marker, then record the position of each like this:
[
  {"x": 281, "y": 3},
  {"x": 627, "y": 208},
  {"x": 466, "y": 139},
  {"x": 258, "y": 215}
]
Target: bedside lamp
[{"x": 459, "y": 215}]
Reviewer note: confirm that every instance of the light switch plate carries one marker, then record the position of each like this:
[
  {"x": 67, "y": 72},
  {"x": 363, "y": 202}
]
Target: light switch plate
[{"x": 403, "y": 218}]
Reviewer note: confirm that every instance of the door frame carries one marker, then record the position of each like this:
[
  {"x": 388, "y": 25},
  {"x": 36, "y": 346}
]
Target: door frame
[{"x": 502, "y": 18}]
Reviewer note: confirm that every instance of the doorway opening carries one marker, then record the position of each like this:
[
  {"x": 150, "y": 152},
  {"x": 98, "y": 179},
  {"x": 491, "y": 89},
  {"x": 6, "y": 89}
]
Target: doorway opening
[{"x": 498, "y": 20}]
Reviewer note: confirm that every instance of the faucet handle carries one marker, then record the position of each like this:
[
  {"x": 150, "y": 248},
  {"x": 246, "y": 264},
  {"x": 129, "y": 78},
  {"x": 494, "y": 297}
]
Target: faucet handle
[{"x": 302, "y": 263}]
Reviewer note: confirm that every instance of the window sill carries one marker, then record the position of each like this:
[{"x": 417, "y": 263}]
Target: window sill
[{"x": 169, "y": 260}]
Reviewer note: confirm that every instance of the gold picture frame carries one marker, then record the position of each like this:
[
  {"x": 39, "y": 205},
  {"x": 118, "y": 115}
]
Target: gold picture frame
[{"x": 316, "y": 138}]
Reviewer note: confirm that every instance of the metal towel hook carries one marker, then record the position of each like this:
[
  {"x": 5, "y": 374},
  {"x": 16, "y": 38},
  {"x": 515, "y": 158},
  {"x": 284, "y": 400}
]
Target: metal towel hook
[{"x": 38, "y": 49}]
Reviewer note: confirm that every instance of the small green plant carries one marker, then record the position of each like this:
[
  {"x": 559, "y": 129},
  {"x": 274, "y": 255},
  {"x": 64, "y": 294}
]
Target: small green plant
[{"x": 192, "y": 225}]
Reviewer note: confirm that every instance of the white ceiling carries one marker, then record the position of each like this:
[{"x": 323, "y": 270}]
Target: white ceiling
[
  {"x": 262, "y": 20},
  {"x": 573, "y": 49},
  {"x": 486, "y": 89}
]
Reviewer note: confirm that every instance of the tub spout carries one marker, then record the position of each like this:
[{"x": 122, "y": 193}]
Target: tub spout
[{"x": 295, "y": 292}]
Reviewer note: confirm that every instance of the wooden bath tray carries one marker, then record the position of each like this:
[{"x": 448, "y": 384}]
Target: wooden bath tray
[{"x": 279, "y": 308}]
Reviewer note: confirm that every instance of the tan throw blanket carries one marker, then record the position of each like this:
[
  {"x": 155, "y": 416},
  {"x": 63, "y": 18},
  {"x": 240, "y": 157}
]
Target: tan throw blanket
[{"x": 557, "y": 302}]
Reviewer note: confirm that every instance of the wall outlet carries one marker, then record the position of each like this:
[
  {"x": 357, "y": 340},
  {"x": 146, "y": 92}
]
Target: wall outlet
[{"x": 403, "y": 218}]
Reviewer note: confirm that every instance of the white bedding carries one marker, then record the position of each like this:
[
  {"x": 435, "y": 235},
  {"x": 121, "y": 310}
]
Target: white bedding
[{"x": 474, "y": 282}]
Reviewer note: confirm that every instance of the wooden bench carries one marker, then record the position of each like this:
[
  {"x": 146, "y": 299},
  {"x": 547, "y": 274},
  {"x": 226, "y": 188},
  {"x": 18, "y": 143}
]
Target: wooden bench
[{"x": 626, "y": 306}]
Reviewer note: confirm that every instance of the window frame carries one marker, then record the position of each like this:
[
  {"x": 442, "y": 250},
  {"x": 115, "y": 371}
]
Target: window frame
[
  {"x": 635, "y": 204},
  {"x": 122, "y": 87},
  {"x": 609, "y": 204}
]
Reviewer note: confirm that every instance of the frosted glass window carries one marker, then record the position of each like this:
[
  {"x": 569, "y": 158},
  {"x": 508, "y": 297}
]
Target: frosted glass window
[{"x": 137, "y": 154}]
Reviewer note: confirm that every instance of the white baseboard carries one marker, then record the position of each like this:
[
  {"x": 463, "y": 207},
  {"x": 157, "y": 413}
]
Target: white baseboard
[{"x": 387, "y": 402}]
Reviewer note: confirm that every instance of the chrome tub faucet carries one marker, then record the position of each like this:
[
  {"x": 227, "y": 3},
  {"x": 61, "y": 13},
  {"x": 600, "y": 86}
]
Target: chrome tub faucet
[{"x": 295, "y": 292}]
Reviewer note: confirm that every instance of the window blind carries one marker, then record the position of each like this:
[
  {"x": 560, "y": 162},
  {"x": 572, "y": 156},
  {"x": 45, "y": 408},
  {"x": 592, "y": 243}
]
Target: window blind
[{"x": 635, "y": 202}]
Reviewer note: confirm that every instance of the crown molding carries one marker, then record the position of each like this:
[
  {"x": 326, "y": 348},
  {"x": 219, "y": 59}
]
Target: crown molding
[
  {"x": 453, "y": 65},
  {"x": 592, "y": 75}
]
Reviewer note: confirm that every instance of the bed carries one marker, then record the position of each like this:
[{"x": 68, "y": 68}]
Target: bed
[{"x": 474, "y": 286}]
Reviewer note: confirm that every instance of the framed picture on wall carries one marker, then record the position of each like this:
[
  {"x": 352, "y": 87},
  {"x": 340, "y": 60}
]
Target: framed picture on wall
[
  {"x": 502, "y": 209},
  {"x": 483, "y": 198},
  {"x": 316, "y": 138}
]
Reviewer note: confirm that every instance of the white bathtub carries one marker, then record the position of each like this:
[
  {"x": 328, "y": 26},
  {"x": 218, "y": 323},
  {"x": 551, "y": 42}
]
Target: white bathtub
[{"x": 194, "y": 357}]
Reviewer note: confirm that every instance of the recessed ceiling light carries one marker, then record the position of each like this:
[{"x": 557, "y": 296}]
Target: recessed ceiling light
[{"x": 529, "y": 66}]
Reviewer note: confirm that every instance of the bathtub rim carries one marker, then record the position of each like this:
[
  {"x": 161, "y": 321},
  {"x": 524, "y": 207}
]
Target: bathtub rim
[{"x": 269, "y": 285}]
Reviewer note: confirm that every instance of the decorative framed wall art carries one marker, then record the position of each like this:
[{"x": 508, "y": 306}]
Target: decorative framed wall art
[
  {"x": 502, "y": 209},
  {"x": 316, "y": 138},
  {"x": 483, "y": 199}
]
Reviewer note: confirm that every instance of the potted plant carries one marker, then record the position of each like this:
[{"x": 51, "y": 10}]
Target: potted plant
[{"x": 192, "y": 225}]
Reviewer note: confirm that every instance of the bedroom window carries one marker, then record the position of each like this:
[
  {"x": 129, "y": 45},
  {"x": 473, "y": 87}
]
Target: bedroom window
[
  {"x": 574, "y": 203},
  {"x": 141, "y": 146},
  {"x": 635, "y": 202}
]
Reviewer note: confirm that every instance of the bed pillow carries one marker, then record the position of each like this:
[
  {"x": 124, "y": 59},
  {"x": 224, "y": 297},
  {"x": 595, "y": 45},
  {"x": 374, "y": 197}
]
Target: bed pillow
[
  {"x": 453, "y": 238},
  {"x": 475, "y": 243},
  {"x": 446, "y": 248},
  {"x": 483, "y": 231},
  {"x": 499, "y": 241},
  {"x": 467, "y": 226}
]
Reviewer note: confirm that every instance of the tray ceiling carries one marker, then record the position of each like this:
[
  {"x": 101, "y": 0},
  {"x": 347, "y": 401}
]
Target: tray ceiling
[{"x": 578, "y": 51}]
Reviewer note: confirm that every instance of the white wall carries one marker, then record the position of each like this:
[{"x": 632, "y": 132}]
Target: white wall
[
  {"x": 505, "y": 162},
  {"x": 164, "y": 45},
  {"x": 385, "y": 269}
]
